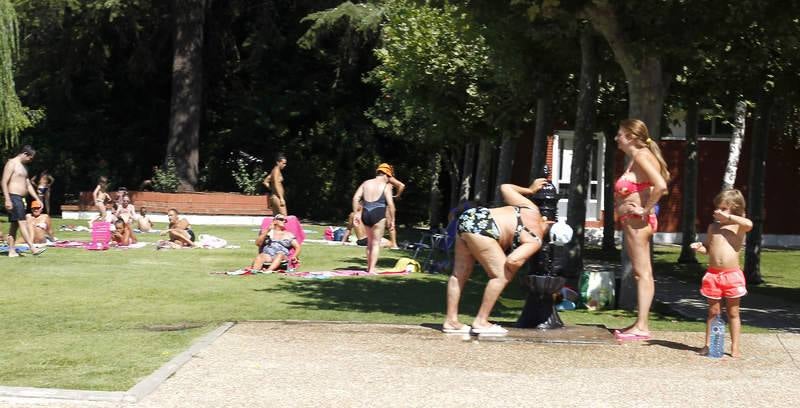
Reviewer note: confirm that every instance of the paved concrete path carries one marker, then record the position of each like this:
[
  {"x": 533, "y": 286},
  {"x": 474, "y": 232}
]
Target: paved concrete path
[
  {"x": 685, "y": 299},
  {"x": 282, "y": 364},
  {"x": 756, "y": 309},
  {"x": 275, "y": 364}
]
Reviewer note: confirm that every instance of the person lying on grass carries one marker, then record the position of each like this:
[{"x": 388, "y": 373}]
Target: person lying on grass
[{"x": 123, "y": 234}]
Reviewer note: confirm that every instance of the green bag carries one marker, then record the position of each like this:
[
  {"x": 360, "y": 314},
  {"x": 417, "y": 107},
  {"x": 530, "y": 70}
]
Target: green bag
[{"x": 597, "y": 290}]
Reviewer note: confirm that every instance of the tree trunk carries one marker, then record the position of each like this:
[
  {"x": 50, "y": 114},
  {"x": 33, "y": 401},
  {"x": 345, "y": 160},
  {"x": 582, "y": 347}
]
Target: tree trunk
[
  {"x": 452, "y": 161},
  {"x": 435, "y": 203},
  {"x": 504, "y": 165},
  {"x": 647, "y": 82},
  {"x": 544, "y": 108},
  {"x": 647, "y": 88},
  {"x": 483, "y": 170},
  {"x": 609, "y": 243},
  {"x": 187, "y": 91},
  {"x": 689, "y": 199},
  {"x": 735, "y": 149},
  {"x": 582, "y": 151},
  {"x": 755, "y": 196},
  {"x": 467, "y": 173}
]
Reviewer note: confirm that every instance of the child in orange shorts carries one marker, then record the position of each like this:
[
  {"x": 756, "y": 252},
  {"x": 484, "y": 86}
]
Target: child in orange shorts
[{"x": 724, "y": 278}]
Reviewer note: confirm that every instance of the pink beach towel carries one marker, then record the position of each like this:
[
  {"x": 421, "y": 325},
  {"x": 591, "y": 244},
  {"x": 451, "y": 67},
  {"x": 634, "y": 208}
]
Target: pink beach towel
[
  {"x": 342, "y": 273},
  {"x": 71, "y": 244}
]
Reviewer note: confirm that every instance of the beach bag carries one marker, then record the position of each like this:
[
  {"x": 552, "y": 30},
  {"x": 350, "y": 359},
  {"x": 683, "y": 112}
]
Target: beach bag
[
  {"x": 597, "y": 289},
  {"x": 338, "y": 234},
  {"x": 210, "y": 241},
  {"x": 407, "y": 264},
  {"x": 101, "y": 235}
]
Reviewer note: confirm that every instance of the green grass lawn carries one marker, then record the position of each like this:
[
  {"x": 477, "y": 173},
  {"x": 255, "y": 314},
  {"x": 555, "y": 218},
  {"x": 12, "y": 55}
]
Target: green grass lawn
[
  {"x": 95, "y": 320},
  {"x": 779, "y": 269}
]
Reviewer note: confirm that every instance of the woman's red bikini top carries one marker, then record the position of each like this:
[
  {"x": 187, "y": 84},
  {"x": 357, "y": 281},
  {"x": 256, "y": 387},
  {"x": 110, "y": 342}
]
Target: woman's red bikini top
[{"x": 625, "y": 187}]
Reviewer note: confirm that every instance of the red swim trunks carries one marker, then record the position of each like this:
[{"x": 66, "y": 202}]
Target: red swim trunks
[{"x": 723, "y": 283}]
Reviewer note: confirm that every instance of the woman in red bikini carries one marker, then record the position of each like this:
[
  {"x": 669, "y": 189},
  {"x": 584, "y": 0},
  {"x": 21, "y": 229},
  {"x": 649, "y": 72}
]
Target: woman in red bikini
[{"x": 636, "y": 194}]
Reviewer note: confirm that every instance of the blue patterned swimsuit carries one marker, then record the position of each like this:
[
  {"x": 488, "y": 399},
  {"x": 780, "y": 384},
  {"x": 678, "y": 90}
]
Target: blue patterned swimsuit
[
  {"x": 479, "y": 221},
  {"x": 278, "y": 246}
]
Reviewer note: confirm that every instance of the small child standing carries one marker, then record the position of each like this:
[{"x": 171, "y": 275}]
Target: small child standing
[
  {"x": 724, "y": 277},
  {"x": 100, "y": 195}
]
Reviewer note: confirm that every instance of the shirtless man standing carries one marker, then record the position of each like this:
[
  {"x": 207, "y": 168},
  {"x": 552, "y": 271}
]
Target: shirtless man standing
[{"x": 16, "y": 186}]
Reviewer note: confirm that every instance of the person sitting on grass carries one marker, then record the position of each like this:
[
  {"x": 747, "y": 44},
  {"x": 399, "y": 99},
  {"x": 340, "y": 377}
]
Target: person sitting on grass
[
  {"x": 179, "y": 231},
  {"x": 360, "y": 232},
  {"x": 126, "y": 210},
  {"x": 39, "y": 225},
  {"x": 275, "y": 243},
  {"x": 724, "y": 277},
  {"x": 143, "y": 220},
  {"x": 122, "y": 234}
]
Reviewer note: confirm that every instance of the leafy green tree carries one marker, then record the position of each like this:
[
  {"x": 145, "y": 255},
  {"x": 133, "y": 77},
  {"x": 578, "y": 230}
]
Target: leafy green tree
[
  {"x": 433, "y": 64},
  {"x": 772, "y": 38},
  {"x": 100, "y": 69},
  {"x": 12, "y": 115},
  {"x": 435, "y": 77}
]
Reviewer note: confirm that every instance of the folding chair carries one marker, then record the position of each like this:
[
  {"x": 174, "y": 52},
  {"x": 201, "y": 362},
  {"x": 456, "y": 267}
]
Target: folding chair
[
  {"x": 292, "y": 225},
  {"x": 437, "y": 246}
]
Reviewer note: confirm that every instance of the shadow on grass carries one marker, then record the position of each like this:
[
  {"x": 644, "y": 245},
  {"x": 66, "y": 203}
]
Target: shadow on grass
[
  {"x": 778, "y": 307},
  {"x": 405, "y": 296},
  {"x": 361, "y": 263}
]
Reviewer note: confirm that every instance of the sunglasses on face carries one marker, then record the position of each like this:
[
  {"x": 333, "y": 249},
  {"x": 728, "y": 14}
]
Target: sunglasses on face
[{"x": 280, "y": 219}]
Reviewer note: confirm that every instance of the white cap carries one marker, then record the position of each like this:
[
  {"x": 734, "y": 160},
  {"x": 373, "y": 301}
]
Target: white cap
[{"x": 560, "y": 233}]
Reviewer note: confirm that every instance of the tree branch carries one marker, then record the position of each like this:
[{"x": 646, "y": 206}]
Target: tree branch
[{"x": 603, "y": 18}]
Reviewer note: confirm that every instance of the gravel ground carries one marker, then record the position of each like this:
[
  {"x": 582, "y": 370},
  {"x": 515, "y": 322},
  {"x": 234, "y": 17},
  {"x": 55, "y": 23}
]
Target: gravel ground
[{"x": 276, "y": 364}]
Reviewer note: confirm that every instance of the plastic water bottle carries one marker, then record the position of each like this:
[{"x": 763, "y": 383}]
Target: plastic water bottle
[{"x": 716, "y": 348}]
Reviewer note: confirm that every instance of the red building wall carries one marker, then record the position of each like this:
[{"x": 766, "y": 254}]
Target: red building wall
[{"x": 782, "y": 195}]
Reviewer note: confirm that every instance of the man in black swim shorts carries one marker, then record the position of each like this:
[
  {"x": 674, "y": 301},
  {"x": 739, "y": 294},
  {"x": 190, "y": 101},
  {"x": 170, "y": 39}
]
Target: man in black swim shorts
[{"x": 16, "y": 187}]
